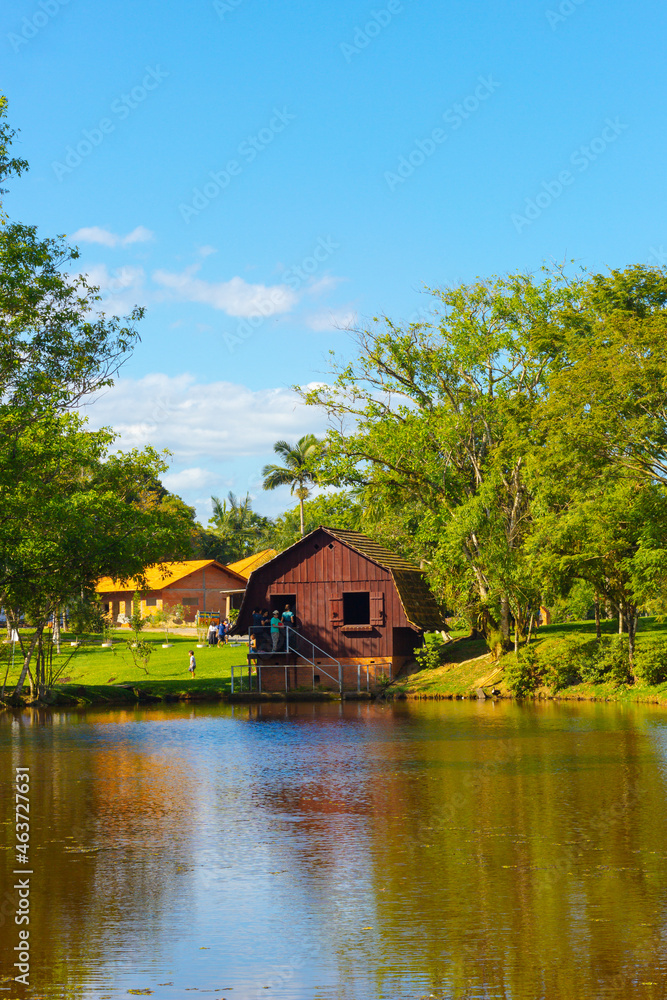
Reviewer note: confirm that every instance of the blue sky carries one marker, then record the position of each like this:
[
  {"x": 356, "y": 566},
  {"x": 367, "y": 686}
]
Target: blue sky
[{"x": 261, "y": 175}]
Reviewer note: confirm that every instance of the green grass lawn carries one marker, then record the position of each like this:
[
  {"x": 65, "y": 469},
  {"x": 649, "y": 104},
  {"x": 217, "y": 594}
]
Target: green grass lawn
[
  {"x": 101, "y": 669},
  {"x": 470, "y": 666}
]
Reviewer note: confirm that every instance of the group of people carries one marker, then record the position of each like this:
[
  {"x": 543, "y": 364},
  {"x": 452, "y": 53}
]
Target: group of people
[
  {"x": 268, "y": 630},
  {"x": 217, "y": 634}
]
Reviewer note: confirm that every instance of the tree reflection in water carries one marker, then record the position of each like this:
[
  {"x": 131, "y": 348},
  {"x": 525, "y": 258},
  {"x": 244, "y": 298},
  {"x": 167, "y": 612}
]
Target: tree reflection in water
[{"x": 355, "y": 851}]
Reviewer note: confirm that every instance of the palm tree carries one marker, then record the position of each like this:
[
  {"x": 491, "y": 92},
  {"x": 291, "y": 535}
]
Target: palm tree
[
  {"x": 236, "y": 524},
  {"x": 299, "y": 471}
]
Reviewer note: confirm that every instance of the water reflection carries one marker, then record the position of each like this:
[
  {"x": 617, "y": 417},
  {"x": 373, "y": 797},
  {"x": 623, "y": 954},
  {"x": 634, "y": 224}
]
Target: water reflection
[{"x": 455, "y": 850}]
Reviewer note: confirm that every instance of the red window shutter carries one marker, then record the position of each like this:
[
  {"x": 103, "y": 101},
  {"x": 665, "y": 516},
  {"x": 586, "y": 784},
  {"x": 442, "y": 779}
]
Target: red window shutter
[
  {"x": 377, "y": 609},
  {"x": 336, "y": 611}
]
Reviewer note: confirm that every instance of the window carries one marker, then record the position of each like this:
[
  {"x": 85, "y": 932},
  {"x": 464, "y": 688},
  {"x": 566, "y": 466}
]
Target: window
[
  {"x": 151, "y": 602},
  {"x": 357, "y": 608},
  {"x": 191, "y": 602}
]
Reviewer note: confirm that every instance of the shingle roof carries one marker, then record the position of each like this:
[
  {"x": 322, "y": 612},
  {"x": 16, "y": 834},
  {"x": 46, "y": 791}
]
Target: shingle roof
[
  {"x": 244, "y": 567},
  {"x": 418, "y": 602},
  {"x": 159, "y": 576},
  {"x": 378, "y": 553}
]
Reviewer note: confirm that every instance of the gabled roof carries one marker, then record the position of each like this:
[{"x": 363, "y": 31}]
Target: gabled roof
[
  {"x": 162, "y": 575},
  {"x": 244, "y": 567},
  {"x": 372, "y": 550},
  {"x": 419, "y": 604}
]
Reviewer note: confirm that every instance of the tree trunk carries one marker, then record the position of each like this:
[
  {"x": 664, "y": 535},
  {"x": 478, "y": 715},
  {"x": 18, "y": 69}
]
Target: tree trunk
[
  {"x": 598, "y": 630},
  {"x": 303, "y": 530},
  {"x": 632, "y": 616},
  {"x": 56, "y": 629},
  {"x": 530, "y": 627},
  {"x": 504, "y": 618},
  {"x": 26, "y": 662}
]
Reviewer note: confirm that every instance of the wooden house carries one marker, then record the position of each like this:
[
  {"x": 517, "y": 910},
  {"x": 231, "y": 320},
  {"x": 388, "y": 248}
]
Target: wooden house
[
  {"x": 197, "y": 584},
  {"x": 360, "y": 611}
]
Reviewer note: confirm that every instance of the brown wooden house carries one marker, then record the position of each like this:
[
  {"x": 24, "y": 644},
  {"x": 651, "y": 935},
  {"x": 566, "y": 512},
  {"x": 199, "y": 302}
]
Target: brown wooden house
[{"x": 364, "y": 609}]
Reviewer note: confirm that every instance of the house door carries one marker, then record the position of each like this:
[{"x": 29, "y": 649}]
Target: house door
[{"x": 281, "y": 601}]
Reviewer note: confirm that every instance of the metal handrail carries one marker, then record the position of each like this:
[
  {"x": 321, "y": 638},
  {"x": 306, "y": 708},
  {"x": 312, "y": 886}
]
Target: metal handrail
[{"x": 294, "y": 649}]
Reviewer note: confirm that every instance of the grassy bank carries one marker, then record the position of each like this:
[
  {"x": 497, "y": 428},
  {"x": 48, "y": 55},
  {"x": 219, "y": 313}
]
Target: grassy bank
[
  {"x": 91, "y": 674},
  {"x": 470, "y": 667}
]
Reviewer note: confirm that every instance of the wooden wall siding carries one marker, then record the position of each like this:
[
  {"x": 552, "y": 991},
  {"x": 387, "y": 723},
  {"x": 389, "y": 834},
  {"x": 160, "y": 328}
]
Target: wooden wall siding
[{"x": 315, "y": 575}]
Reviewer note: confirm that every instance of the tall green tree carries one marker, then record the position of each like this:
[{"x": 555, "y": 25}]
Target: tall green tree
[
  {"x": 235, "y": 530},
  {"x": 300, "y": 470},
  {"x": 10, "y": 166},
  {"x": 436, "y": 420},
  {"x": 75, "y": 515}
]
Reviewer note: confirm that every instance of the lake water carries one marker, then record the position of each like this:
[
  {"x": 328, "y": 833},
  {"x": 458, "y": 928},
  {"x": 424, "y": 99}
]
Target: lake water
[{"x": 454, "y": 849}]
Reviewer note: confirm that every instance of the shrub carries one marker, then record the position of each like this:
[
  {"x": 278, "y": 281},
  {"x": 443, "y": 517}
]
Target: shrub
[
  {"x": 611, "y": 663},
  {"x": 432, "y": 654},
  {"x": 525, "y": 674},
  {"x": 651, "y": 662},
  {"x": 568, "y": 662}
]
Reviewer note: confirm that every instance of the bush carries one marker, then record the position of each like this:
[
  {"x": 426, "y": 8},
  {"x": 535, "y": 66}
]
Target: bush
[
  {"x": 525, "y": 674},
  {"x": 432, "y": 654},
  {"x": 612, "y": 662},
  {"x": 567, "y": 663},
  {"x": 651, "y": 662}
]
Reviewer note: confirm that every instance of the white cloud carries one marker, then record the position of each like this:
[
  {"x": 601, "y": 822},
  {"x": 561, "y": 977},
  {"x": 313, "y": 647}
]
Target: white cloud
[
  {"x": 189, "y": 479},
  {"x": 218, "y": 421},
  {"x": 331, "y": 319},
  {"x": 121, "y": 289},
  {"x": 96, "y": 234},
  {"x": 235, "y": 297}
]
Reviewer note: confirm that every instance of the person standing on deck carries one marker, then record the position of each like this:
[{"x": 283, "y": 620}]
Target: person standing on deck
[
  {"x": 256, "y": 628},
  {"x": 276, "y": 625},
  {"x": 287, "y": 620}
]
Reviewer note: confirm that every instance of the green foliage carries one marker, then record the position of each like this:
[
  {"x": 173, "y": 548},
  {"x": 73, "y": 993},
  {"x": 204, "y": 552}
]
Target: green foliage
[
  {"x": 301, "y": 469},
  {"x": 566, "y": 663},
  {"x": 137, "y": 620},
  {"x": 433, "y": 652},
  {"x": 525, "y": 674},
  {"x": 234, "y": 529},
  {"x": 86, "y": 616},
  {"x": 334, "y": 510},
  {"x": 9, "y": 165},
  {"x": 609, "y": 663},
  {"x": 651, "y": 661},
  {"x": 140, "y": 651},
  {"x": 576, "y": 606},
  {"x": 514, "y": 442}
]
